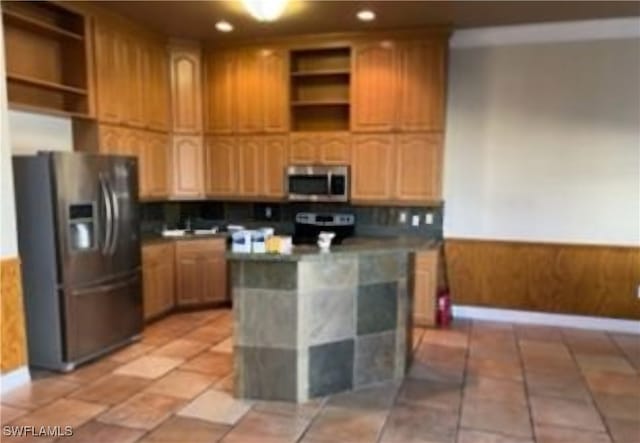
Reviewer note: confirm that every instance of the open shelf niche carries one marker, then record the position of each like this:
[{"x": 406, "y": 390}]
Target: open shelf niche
[{"x": 320, "y": 81}]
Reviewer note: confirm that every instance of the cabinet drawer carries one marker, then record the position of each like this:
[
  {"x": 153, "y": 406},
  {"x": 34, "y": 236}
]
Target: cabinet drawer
[{"x": 203, "y": 246}]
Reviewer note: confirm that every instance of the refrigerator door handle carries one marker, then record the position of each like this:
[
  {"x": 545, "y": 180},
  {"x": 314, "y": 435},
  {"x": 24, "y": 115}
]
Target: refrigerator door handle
[
  {"x": 108, "y": 213},
  {"x": 106, "y": 288},
  {"x": 115, "y": 205}
]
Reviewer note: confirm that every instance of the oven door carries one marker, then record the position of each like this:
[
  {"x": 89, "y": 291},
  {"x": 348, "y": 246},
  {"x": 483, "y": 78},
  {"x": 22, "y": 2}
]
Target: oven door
[{"x": 317, "y": 183}]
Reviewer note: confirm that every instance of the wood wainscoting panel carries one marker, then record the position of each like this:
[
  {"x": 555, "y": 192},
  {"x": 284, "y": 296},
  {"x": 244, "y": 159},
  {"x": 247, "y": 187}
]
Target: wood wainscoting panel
[
  {"x": 13, "y": 339},
  {"x": 556, "y": 278}
]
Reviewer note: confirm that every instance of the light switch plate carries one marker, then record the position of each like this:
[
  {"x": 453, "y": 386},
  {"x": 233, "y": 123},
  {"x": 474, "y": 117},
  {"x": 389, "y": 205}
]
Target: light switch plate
[
  {"x": 415, "y": 220},
  {"x": 428, "y": 218},
  {"x": 402, "y": 217}
]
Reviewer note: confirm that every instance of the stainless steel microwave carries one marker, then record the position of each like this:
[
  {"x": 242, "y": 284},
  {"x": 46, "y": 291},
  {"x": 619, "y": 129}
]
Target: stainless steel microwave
[{"x": 318, "y": 183}]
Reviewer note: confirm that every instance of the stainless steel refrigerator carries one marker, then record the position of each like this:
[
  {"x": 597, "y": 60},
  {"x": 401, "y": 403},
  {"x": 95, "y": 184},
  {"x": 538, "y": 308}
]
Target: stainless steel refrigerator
[{"x": 79, "y": 242}]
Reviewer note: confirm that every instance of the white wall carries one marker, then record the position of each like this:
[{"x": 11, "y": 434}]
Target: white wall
[
  {"x": 543, "y": 138},
  {"x": 8, "y": 241},
  {"x": 35, "y": 132}
]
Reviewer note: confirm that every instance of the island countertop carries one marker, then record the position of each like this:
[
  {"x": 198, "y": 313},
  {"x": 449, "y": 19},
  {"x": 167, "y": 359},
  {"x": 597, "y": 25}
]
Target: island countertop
[{"x": 352, "y": 246}]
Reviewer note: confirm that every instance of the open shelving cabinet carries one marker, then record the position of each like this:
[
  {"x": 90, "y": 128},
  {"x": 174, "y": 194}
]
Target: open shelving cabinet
[
  {"x": 320, "y": 80},
  {"x": 46, "y": 58}
]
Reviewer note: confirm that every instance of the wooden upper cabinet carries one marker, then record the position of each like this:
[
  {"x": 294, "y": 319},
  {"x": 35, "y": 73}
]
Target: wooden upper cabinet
[
  {"x": 249, "y": 148},
  {"x": 221, "y": 159},
  {"x": 110, "y": 139},
  {"x": 335, "y": 148},
  {"x": 187, "y": 166},
  {"x": 304, "y": 149},
  {"x": 421, "y": 85},
  {"x": 109, "y": 64},
  {"x": 373, "y": 87},
  {"x": 157, "y": 164},
  {"x": 132, "y": 92},
  {"x": 372, "y": 167},
  {"x": 273, "y": 161},
  {"x": 186, "y": 88},
  {"x": 219, "y": 90},
  {"x": 275, "y": 90},
  {"x": 419, "y": 166},
  {"x": 156, "y": 86},
  {"x": 249, "y": 91}
]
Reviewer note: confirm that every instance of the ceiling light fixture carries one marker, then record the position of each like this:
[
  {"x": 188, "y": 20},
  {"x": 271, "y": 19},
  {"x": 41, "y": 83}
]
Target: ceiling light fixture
[
  {"x": 224, "y": 26},
  {"x": 265, "y": 10},
  {"x": 366, "y": 15}
]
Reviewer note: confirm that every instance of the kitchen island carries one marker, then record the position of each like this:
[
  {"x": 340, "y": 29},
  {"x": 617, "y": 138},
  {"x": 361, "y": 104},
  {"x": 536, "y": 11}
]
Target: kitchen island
[{"x": 309, "y": 324}]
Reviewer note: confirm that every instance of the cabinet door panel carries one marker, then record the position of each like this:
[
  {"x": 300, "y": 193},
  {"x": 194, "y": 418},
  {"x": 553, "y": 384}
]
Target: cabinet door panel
[
  {"x": 304, "y": 149},
  {"x": 220, "y": 72},
  {"x": 215, "y": 278},
  {"x": 166, "y": 280},
  {"x": 249, "y": 90},
  {"x": 274, "y": 160},
  {"x": 373, "y": 93},
  {"x": 109, "y": 65},
  {"x": 421, "y": 86},
  {"x": 221, "y": 167},
  {"x": 186, "y": 90},
  {"x": 187, "y": 166},
  {"x": 132, "y": 92},
  {"x": 189, "y": 288},
  {"x": 156, "y": 103},
  {"x": 372, "y": 167},
  {"x": 249, "y": 165},
  {"x": 425, "y": 287},
  {"x": 158, "y": 271},
  {"x": 336, "y": 148},
  {"x": 111, "y": 139},
  {"x": 157, "y": 156},
  {"x": 419, "y": 165},
  {"x": 275, "y": 88}
]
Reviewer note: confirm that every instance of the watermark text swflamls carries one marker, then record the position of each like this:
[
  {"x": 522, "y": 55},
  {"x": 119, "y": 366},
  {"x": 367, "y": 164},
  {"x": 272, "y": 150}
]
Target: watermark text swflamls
[{"x": 37, "y": 431}]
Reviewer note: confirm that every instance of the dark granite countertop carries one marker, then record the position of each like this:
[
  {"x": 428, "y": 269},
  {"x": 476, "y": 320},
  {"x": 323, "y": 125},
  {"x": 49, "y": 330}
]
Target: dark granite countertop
[{"x": 356, "y": 245}]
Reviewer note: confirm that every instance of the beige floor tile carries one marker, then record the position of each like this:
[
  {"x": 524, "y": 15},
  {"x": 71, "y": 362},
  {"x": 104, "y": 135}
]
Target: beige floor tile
[
  {"x": 554, "y": 434},
  {"x": 149, "y": 366},
  {"x": 8, "y": 413},
  {"x": 261, "y": 425},
  {"x": 498, "y": 417},
  {"x": 91, "y": 371},
  {"x": 180, "y": 349},
  {"x": 495, "y": 389},
  {"x": 62, "y": 412},
  {"x": 346, "y": 425},
  {"x": 183, "y": 430},
  {"x": 225, "y": 346},
  {"x": 142, "y": 411},
  {"x": 618, "y": 406},
  {"x": 307, "y": 410},
  {"x": 225, "y": 384},
  {"x": 613, "y": 383},
  {"x": 539, "y": 332},
  {"x": 590, "y": 342},
  {"x": 557, "y": 385},
  {"x": 38, "y": 393},
  {"x": 112, "y": 389},
  {"x": 450, "y": 338},
  {"x": 436, "y": 372},
  {"x": 608, "y": 363},
  {"x": 488, "y": 367},
  {"x": 567, "y": 413},
  {"x": 379, "y": 397},
  {"x": 131, "y": 352},
  {"x": 216, "y": 407},
  {"x": 448, "y": 355},
  {"x": 181, "y": 384},
  {"x": 211, "y": 334},
  {"x": 96, "y": 432},
  {"x": 474, "y": 436},
  {"x": 216, "y": 364},
  {"x": 437, "y": 395},
  {"x": 416, "y": 424},
  {"x": 624, "y": 431}
]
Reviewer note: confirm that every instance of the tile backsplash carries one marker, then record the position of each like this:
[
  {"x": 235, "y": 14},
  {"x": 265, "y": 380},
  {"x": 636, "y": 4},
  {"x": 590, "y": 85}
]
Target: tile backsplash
[{"x": 370, "y": 220}]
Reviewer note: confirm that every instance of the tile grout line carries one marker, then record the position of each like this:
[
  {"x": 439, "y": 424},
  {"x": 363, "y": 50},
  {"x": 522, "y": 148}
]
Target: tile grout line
[
  {"x": 465, "y": 369},
  {"x": 388, "y": 414},
  {"x": 323, "y": 405},
  {"x": 526, "y": 387}
]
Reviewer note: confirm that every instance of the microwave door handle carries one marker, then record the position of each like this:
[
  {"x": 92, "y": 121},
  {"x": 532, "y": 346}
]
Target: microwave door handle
[
  {"x": 108, "y": 215},
  {"x": 115, "y": 220}
]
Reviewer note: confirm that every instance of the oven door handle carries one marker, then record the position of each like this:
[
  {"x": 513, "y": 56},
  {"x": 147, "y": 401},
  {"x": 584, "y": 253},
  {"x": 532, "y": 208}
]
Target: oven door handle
[{"x": 329, "y": 180}]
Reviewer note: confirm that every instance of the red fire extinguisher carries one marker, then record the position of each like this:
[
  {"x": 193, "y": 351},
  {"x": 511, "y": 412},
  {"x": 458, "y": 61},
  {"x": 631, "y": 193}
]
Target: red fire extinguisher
[{"x": 444, "y": 312}]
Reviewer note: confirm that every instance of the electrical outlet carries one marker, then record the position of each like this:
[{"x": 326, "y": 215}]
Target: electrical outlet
[
  {"x": 415, "y": 220},
  {"x": 268, "y": 213},
  {"x": 402, "y": 217},
  {"x": 428, "y": 218}
]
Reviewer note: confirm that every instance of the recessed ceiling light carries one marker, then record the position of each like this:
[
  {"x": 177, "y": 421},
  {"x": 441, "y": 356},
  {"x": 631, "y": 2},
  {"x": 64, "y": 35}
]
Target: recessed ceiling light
[
  {"x": 224, "y": 26},
  {"x": 366, "y": 15}
]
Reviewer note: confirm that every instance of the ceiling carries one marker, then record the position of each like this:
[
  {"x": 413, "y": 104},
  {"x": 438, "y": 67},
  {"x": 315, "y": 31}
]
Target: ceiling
[{"x": 195, "y": 19}]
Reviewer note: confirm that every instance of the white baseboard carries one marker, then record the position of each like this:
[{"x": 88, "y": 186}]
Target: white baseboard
[
  {"x": 13, "y": 379},
  {"x": 543, "y": 318}
]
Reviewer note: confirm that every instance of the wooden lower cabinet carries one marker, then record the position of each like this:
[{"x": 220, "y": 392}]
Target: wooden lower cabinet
[
  {"x": 201, "y": 271},
  {"x": 187, "y": 166},
  {"x": 425, "y": 283},
  {"x": 158, "y": 274}
]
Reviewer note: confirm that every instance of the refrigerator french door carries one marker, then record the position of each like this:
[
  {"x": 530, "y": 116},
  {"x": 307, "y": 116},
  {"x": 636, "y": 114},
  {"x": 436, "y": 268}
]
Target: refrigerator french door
[{"x": 78, "y": 235}]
